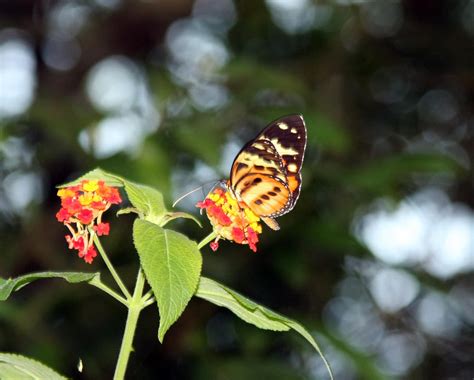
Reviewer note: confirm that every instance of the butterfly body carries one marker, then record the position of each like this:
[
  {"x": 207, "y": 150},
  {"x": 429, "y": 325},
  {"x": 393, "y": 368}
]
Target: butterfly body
[{"x": 266, "y": 173}]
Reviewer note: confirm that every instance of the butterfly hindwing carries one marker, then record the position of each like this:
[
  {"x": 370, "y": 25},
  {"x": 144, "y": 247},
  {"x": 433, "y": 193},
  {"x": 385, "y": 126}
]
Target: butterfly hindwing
[
  {"x": 266, "y": 172},
  {"x": 265, "y": 195}
]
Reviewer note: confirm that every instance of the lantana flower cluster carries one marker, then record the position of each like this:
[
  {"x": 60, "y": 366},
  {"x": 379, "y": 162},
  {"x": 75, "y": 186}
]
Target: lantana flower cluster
[
  {"x": 232, "y": 220},
  {"x": 81, "y": 212}
]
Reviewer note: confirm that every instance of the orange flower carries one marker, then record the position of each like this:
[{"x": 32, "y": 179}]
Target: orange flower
[
  {"x": 231, "y": 219},
  {"x": 81, "y": 212}
]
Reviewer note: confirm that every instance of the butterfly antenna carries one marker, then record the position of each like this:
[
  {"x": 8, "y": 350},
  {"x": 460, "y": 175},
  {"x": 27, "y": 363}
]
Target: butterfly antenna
[
  {"x": 185, "y": 195},
  {"x": 215, "y": 182}
]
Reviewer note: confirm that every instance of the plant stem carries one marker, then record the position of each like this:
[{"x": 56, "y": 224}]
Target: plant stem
[
  {"x": 135, "y": 306},
  {"x": 148, "y": 295},
  {"x": 207, "y": 239},
  {"x": 149, "y": 302},
  {"x": 106, "y": 289},
  {"x": 111, "y": 268}
]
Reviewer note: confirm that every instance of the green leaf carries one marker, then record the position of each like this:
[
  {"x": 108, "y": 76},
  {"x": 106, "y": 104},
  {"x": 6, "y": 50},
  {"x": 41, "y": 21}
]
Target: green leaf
[
  {"x": 253, "y": 313},
  {"x": 7, "y": 286},
  {"x": 172, "y": 265},
  {"x": 97, "y": 174},
  {"x": 218, "y": 294},
  {"x": 13, "y": 366},
  {"x": 148, "y": 201}
]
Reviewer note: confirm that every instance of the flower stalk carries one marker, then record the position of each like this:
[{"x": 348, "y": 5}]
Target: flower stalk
[
  {"x": 100, "y": 285},
  {"x": 207, "y": 239},
  {"x": 111, "y": 268}
]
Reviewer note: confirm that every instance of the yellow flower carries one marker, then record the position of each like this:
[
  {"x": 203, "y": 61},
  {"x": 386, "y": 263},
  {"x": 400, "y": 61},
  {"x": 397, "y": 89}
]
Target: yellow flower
[
  {"x": 90, "y": 185},
  {"x": 86, "y": 199}
]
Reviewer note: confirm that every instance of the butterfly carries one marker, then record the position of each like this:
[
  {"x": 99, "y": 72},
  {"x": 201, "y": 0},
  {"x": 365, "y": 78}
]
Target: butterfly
[{"x": 266, "y": 173}]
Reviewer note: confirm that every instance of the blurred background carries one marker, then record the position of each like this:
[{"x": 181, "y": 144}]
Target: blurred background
[{"x": 376, "y": 259}]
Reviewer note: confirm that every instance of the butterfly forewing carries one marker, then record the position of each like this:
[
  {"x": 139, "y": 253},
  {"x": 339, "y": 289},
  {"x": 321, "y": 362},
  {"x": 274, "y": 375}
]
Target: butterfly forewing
[
  {"x": 288, "y": 135},
  {"x": 266, "y": 172},
  {"x": 258, "y": 156}
]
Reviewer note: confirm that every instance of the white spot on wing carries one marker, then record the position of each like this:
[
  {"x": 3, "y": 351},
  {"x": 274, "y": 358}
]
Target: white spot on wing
[
  {"x": 293, "y": 130},
  {"x": 293, "y": 168},
  {"x": 283, "y": 126},
  {"x": 282, "y": 150}
]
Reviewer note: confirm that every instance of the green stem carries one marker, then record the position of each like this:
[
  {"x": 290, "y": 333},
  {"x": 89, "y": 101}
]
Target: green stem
[
  {"x": 135, "y": 306},
  {"x": 106, "y": 289},
  {"x": 207, "y": 239},
  {"x": 111, "y": 268},
  {"x": 149, "y": 302},
  {"x": 148, "y": 295}
]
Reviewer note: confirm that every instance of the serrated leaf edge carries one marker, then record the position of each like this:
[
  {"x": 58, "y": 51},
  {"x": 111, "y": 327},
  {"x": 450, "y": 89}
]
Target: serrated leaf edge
[{"x": 17, "y": 358}]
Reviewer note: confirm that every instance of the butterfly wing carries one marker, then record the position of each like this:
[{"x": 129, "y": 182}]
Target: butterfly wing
[
  {"x": 288, "y": 135},
  {"x": 266, "y": 172}
]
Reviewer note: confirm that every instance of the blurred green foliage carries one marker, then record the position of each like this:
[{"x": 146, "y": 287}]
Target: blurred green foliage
[{"x": 387, "y": 95}]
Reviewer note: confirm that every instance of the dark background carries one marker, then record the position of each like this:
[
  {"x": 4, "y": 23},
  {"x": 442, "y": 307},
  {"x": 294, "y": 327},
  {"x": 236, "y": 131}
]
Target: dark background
[{"x": 377, "y": 257}]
